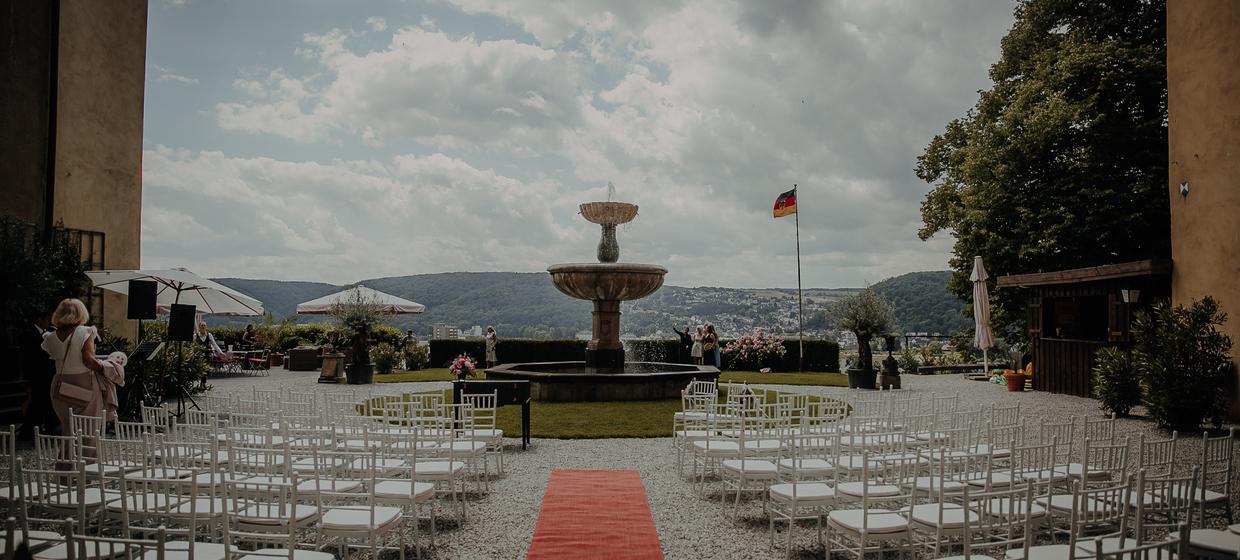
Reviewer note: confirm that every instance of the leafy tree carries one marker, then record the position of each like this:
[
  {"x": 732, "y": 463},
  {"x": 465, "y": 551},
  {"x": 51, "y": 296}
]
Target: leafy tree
[
  {"x": 1063, "y": 161},
  {"x": 867, "y": 315},
  {"x": 36, "y": 274}
]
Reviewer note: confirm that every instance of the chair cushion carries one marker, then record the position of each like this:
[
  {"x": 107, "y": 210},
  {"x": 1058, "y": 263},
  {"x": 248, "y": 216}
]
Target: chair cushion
[
  {"x": 105, "y": 551},
  {"x": 349, "y": 519},
  {"x": 203, "y": 507},
  {"x": 879, "y": 521},
  {"x": 999, "y": 507},
  {"x": 875, "y": 490},
  {"x": 952, "y": 518},
  {"x": 144, "y": 503},
  {"x": 1057, "y": 474},
  {"x": 423, "y": 469},
  {"x": 333, "y": 485},
  {"x": 179, "y": 550},
  {"x": 810, "y": 493},
  {"x": 764, "y": 445},
  {"x": 932, "y": 483},
  {"x": 1214, "y": 540},
  {"x": 750, "y": 467},
  {"x": 717, "y": 447},
  {"x": 1044, "y": 552},
  {"x": 807, "y": 467},
  {"x": 1075, "y": 470},
  {"x": 404, "y": 490},
  {"x": 855, "y": 462},
  {"x": 271, "y": 515},
  {"x": 91, "y": 497},
  {"x": 1063, "y": 502},
  {"x": 282, "y": 554},
  {"x": 997, "y": 480},
  {"x": 464, "y": 447}
]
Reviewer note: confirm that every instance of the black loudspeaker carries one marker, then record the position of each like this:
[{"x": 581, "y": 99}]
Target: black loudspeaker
[
  {"x": 181, "y": 323},
  {"x": 142, "y": 299}
]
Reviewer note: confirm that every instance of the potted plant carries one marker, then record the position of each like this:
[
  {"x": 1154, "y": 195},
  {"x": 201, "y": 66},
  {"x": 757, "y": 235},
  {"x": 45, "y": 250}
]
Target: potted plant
[
  {"x": 1015, "y": 380},
  {"x": 274, "y": 334},
  {"x": 462, "y": 367},
  {"x": 867, "y": 315},
  {"x": 357, "y": 315}
]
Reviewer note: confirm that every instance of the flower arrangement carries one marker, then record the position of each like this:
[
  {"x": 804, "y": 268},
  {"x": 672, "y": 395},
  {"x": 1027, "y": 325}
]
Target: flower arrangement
[
  {"x": 755, "y": 350},
  {"x": 462, "y": 367}
]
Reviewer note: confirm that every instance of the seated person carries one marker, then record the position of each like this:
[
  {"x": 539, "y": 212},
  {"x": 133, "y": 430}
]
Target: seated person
[{"x": 247, "y": 337}]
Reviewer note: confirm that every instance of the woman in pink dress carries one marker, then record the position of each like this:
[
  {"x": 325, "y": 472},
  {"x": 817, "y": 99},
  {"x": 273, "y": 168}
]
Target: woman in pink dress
[{"x": 72, "y": 345}]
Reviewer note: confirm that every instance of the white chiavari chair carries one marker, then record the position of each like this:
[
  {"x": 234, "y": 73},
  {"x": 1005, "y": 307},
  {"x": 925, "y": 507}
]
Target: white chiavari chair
[
  {"x": 1214, "y": 486},
  {"x": 485, "y": 414},
  {"x": 358, "y": 515},
  {"x": 858, "y": 531}
]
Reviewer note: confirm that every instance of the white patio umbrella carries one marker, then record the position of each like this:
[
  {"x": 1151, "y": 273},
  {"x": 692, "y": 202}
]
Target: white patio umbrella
[
  {"x": 982, "y": 337},
  {"x": 178, "y": 285},
  {"x": 388, "y": 302}
]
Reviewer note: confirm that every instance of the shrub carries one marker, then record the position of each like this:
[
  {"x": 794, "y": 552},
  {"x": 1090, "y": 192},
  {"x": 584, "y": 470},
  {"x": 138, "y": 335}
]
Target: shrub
[
  {"x": 908, "y": 360},
  {"x": 820, "y": 355},
  {"x": 417, "y": 357},
  {"x": 1116, "y": 385},
  {"x": 1184, "y": 363},
  {"x": 384, "y": 356},
  {"x": 867, "y": 314},
  {"x": 756, "y": 351}
]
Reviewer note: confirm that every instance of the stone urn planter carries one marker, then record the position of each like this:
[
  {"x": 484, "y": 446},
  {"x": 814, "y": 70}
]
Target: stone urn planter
[
  {"x": 275, "y": 359},
  {"x": 1015, "y": 382},
  {"x": 859, "y": 378}
]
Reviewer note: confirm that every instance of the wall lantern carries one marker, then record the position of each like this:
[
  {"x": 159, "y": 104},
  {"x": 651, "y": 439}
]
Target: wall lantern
[{"x": 1130, "y": 296}]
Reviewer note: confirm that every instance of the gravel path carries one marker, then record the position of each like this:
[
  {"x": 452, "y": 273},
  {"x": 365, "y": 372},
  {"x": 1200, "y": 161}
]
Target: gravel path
[{"x": 501, "y": 524}]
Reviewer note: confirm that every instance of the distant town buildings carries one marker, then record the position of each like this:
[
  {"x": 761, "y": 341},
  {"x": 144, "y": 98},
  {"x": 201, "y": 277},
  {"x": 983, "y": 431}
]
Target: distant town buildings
[{"x": 442, "y": 331}]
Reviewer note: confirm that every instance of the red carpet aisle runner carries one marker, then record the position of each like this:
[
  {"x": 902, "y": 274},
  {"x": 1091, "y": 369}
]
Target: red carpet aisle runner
[{"x": 595, "y": 514}]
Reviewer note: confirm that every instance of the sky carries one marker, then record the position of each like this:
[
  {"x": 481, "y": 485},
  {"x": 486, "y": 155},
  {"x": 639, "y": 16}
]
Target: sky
[{"x": 337, "y": 141}]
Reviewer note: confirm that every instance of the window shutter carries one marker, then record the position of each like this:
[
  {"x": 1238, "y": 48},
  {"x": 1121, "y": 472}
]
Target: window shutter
[{"x": 1035, "y": 317}]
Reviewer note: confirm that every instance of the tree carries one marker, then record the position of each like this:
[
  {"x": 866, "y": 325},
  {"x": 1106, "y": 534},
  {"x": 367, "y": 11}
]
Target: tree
[
  {"x": 1063, "y": 161},
  {"x": 867, "y": 315}
]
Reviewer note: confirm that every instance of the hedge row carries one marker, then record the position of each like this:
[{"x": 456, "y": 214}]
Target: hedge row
[
  {"x": 820, "y": 355},
  {"x": 310, "y": 334}
]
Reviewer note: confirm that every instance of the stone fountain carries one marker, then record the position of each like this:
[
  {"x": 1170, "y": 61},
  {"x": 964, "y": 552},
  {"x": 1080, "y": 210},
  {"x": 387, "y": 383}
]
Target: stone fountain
[{"x": 604, "y": 375}]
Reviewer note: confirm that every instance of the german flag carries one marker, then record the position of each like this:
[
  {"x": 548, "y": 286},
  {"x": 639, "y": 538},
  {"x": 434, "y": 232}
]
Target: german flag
[{"x": 786, "y": 204}]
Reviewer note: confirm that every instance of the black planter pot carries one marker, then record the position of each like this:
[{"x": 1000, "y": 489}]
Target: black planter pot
[
  {"x": 360, "y": 374},
  {"x": 861, "y": 378}
]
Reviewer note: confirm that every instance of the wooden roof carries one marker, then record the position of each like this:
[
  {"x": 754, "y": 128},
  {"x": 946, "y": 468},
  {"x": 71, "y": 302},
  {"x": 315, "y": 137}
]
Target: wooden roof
[{"x": 1150, "y": 267}]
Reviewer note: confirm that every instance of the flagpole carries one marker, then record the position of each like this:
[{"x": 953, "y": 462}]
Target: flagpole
[{"x": 800, "y": 304}]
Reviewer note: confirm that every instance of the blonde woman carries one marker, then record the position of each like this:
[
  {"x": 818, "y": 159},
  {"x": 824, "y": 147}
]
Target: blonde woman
[{"x": 72, "y": 346}]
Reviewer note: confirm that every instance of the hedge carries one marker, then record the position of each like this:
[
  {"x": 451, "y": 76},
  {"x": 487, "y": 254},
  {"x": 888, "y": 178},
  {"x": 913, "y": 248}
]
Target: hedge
[
  {"x": 820, "y": 355},
  {"x": 309, "y": 334}
]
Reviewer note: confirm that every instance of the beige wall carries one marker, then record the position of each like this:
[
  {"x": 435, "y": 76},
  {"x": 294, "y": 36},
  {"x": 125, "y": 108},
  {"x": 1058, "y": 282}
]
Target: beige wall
[
  {"x": 1203, "y": 77},
  {"x": 99, "y": 130}
]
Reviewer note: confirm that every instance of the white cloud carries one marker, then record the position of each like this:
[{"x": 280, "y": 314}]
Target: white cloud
[
  {"x": 158, "y": 73},
  {"x": 376, "y": 23},
  {"x": 701, "y": 111}
]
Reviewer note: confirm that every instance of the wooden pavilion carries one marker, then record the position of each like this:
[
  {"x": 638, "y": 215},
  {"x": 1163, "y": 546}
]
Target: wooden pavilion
[{"x": 1074, "y": 313}]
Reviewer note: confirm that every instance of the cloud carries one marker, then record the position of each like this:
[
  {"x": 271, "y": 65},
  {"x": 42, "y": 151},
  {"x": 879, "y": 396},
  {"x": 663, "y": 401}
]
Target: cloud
[
  {"x": 158, "y": 73},
  {"x": 700, "y": 111},
  {"x": 424, "y": 85},
  {"x": 376, "y": 23}
]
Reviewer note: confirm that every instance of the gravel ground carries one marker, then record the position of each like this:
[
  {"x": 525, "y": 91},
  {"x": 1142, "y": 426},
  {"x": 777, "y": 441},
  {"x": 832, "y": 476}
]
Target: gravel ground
[{"x": 501, "y": 524}]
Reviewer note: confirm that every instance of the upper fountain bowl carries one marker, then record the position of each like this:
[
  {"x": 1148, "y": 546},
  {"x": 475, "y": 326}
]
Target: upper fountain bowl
[{"x": 609, "y": 213}]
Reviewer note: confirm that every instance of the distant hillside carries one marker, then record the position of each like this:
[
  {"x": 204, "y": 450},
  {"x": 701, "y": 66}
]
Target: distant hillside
[
  {"x": 923, "y": 303},
  {"x": 527, "y": 305}
]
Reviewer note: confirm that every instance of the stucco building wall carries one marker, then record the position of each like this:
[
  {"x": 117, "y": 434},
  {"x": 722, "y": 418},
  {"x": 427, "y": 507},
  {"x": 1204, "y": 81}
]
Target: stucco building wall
[{"x": 1203, "y": 77}]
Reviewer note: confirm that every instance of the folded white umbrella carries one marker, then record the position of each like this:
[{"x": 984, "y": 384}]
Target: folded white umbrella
[
  {"x": 178, "y": 285},
  {"x": 388, "y": 303},
  {"x": 982, "y": 337}
]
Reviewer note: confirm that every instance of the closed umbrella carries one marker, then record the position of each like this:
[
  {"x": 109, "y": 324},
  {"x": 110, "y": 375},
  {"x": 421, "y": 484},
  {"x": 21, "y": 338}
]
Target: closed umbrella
[
  {"x": 982, "y": 337},
  {"x": 387, "y": 303},
  {"x": 178, "y": 285}
]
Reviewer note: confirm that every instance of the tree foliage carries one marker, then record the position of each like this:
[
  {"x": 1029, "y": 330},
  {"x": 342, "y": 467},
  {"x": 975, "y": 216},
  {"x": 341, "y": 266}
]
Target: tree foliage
[
  {"x": 1062, "y": 163},
  {"x": 1184, "y": 362},
  {"x": 866, "y": 314}
]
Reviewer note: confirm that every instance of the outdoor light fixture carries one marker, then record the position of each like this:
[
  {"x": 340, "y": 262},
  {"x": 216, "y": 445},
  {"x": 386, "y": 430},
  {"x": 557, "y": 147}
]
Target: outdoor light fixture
[
  {"x": 1130, "y": 296},
  {"x": 1184, "y": 189}
]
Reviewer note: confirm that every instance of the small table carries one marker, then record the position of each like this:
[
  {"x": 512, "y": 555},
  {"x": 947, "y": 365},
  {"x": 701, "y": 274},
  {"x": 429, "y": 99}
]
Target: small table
[{"x": 507, "y": 392}]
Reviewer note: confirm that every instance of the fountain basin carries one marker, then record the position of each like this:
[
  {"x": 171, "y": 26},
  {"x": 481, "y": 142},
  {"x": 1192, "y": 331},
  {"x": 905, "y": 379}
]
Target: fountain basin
[
  {"x": 607, "y": 281},
  {"x": 576, "y": 382}
]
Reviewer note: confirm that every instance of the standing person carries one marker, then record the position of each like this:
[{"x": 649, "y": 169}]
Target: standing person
[
  {"x": 710, "y": 343},
  {"x": 409, "y": 340},
  {"x": 38, "y": 369},
  {"x": 72, "y": 346},
  {"x": 491, "y": 340},
  {"x": 686, "y": 343},
  {"x": 207, "y": 339},
  {"x": 696, "y": 351}
]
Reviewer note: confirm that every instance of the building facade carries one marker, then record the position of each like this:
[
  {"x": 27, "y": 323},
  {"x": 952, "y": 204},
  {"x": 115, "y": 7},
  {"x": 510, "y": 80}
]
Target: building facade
[
  {"x": 1203, "y": 102},
  {"x": 72, "y": 87}
]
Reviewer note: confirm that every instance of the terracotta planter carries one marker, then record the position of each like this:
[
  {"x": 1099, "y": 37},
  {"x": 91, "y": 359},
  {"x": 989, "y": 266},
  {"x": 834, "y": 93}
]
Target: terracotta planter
[
  {"x": 1015, "y": 382},
  {"x": 275, "y": 359}
]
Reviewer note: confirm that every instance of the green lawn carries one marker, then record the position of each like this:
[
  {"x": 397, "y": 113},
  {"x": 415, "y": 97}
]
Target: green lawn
[{"x": 592, "y": 420}]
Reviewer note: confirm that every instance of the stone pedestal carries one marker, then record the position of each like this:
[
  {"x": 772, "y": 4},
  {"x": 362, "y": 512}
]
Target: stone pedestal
[{"x": 605, "y": 349}]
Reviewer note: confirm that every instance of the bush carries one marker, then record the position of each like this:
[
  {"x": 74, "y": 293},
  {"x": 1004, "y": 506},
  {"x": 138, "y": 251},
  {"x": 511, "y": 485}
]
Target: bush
[
  {"x": 756, "y": 351},
  {"x": 1184, "y": 363},
  {"x": 908, "y": 360},
  {"x": 384, "y": 356},
  {"x": 417, "y": 357},
  {"x": 1116, "y": 385}
]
